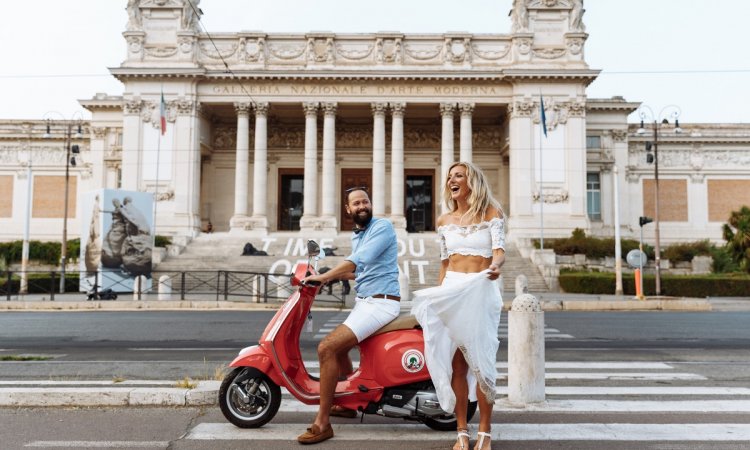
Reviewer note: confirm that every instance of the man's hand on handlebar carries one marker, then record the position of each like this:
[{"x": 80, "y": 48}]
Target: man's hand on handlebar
[{"x": 314, "y": 280}]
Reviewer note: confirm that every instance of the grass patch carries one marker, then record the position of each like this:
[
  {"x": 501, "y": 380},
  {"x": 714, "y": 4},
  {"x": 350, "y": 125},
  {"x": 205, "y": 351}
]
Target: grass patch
[
  {"x": 24, "y": 358},
  {"x": 186, "y": 383},
  {"x": 118, "y": 379}
]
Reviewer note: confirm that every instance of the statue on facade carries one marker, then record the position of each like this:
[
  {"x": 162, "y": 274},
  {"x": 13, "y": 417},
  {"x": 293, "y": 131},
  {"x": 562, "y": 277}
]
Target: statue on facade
[
  {"x": 576, "y": 16},
  {"x": 190, "y": 14},
  {"x": 519, "y": 16},
  {"x": 134, "y": 15}
]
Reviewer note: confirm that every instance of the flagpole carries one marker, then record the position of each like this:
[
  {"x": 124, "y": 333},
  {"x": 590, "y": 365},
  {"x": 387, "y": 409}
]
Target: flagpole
[
  {"x": 542, "y": 125},
  {"x": 162, "y": 129}
]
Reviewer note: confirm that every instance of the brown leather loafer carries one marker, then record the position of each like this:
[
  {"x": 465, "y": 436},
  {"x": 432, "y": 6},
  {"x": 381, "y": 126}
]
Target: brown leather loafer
[
  {"x": 313, "y": 435},
  {"x": 340, "y": 411}
]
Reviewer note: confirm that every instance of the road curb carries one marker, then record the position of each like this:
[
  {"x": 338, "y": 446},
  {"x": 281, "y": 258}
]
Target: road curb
[
  {"x": 575, "y": 304},
  {"x": 204, "y": 394}
]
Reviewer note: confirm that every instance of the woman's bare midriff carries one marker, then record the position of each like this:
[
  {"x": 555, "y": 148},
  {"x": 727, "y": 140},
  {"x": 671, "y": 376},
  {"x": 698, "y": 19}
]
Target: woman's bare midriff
[{"x": 467, "y": 263}]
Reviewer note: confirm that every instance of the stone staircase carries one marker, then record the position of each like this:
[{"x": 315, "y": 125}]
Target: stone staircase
[{"x": 419, "y": 257}]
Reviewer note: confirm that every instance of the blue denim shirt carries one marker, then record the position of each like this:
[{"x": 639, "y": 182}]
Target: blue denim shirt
[{"x": 375, "y": 253}]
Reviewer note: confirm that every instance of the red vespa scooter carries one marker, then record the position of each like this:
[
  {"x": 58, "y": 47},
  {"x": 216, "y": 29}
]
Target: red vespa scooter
[{"x": 392, "y": 379}]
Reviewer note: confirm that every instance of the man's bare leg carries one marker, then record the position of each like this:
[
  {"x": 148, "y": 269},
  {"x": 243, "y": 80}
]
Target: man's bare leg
[
  {"x": 339, "y": 341},
  {"x": 345, "y": 364}
]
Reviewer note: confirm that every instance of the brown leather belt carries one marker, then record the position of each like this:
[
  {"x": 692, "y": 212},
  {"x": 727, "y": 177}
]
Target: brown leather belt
[{"x": 387, "y": 297}]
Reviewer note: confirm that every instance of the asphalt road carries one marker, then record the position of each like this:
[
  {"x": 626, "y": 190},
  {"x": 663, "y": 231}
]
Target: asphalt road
[
  {"x": 175, "y": 344},
  {"x": 623, "y": 380}
]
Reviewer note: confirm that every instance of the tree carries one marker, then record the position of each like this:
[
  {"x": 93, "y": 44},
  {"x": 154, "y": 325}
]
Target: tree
[{"x": 737, "y": 235}]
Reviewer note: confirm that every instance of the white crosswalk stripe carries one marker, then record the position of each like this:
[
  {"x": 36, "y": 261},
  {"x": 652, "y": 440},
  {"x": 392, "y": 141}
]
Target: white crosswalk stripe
[
  {"x": 330, "y": 325},
  {"x": 502, "y": 331},
  {"x": 633, "y": 389},
  {"x": 727, "y": 432}
]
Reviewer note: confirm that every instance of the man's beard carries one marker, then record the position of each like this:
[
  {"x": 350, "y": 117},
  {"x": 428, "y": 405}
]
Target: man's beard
[{"x": 362, "y": 219}]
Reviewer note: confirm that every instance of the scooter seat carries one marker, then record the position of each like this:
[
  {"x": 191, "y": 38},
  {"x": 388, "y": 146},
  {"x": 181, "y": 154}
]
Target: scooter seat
[{"x": 402, "y": 322}]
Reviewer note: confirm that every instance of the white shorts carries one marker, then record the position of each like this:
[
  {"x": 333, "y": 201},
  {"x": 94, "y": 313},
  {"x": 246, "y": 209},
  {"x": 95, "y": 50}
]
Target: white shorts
[{"x": 371, "y": 314}]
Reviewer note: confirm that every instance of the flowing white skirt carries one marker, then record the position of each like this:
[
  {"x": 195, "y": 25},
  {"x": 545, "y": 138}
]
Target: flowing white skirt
[{"x": 462, "y": 313}]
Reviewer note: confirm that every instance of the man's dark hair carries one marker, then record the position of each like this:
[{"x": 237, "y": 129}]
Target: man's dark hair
[{"x": 353, "y": 189}]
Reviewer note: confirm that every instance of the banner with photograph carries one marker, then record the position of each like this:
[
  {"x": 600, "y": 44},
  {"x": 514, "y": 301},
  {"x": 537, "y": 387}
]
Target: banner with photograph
[{"x": 116, "y": 239}]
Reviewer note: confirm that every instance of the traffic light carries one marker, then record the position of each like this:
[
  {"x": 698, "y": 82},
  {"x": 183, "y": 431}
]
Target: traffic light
[
  {"x": 649, "y": 155},
  {"x": 643, "y": 220}
]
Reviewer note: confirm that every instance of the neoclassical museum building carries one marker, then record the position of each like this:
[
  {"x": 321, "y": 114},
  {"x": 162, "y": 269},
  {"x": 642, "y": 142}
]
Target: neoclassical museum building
[{"x": 264, "y": 132}]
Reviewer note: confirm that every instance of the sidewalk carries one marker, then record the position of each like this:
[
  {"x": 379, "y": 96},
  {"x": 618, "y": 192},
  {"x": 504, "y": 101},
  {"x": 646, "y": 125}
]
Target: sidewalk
[
  {"x": 550, "y": 301},
  {"x": 107, "y": 393}
]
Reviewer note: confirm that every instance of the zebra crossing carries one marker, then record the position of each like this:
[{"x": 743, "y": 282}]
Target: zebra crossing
[
  {"x": 550, "y": 334},
  {"x": 601, "y": 400}
]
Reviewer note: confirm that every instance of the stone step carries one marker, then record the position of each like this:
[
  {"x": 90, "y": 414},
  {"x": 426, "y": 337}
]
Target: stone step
[{"x": 419, "y": 257}]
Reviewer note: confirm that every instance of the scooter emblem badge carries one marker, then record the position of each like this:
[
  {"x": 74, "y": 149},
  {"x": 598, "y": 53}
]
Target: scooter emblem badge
[{"x": 412, "y": 361}]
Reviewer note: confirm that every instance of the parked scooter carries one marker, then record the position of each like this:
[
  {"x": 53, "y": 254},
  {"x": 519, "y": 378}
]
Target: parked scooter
[
  {"x": 391, "y": 380},
  {"x": 104, "y": 294}
]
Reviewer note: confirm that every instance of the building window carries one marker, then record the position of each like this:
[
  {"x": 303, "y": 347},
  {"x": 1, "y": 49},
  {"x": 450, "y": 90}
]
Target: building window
[
  {"x": 593, "y": 142},
  {"x": 594, "y": 196}
]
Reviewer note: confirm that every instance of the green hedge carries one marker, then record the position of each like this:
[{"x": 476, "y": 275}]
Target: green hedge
[
  {"x": 39, "y": 283},
  {"x": 162, "y": 241},
  {"x": 724, "y": 285},
  {"x": 44, "y": 252},
  {"x": 592, "y": 247}
]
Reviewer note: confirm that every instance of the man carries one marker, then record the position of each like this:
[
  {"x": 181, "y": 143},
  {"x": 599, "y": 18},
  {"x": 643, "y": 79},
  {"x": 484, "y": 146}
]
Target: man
[{"x": 373, "y": 265}]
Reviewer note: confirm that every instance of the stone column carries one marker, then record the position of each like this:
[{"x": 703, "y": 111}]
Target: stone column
[
  {"x": 397, "y": 167},
  {"x": 467, "y": 109},
  {"x": 378, "y": 159},
  {"x": 259, "y": 222},
  {"x": 521, "y": 180},
  {"x": 310, "y": 205},
  {"x": 329, "y": 167},
  {"x": 242, "y": 159},
  {"x": 446, "y": 153},
  {"x": 187, "y": 158},
  {"x": 132, "y": 156},
  {"x": 98, "y": 150}
]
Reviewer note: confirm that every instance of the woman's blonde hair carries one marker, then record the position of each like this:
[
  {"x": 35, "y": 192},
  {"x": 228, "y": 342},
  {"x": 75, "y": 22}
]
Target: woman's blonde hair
[{"x": 480, "y": 198}]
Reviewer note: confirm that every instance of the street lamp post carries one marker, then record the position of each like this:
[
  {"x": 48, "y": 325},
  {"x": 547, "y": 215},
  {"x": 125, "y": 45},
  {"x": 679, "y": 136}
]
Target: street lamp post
[
  {"x": 69, "y": 148},
  {"x": 646, "y": 114}
]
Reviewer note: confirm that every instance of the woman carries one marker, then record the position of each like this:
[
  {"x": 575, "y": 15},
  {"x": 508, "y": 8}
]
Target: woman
[{"x": 463, "y": 313}]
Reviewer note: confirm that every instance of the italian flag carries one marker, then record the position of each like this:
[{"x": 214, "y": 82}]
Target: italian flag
[{"x": 163, "y": 114}]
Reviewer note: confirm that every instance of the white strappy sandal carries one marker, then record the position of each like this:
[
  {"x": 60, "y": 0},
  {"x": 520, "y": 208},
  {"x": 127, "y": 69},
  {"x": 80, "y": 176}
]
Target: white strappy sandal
[
  {"x": 463, "y": 434},
  {"x": 480, "y": 439}
]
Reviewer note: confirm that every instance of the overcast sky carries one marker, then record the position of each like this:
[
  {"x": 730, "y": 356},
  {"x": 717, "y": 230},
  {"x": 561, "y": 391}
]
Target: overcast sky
[{"x": 691, "y": 53}]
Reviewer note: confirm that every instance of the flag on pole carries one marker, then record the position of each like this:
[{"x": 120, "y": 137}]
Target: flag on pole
[
  {"x": 544, "y": 116},
  {"x": 163, "y": 115}
]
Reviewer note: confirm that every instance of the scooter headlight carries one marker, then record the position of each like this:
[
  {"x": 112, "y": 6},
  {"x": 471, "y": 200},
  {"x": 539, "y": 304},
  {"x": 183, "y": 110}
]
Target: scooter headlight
[{"x": 247, "y": 350}]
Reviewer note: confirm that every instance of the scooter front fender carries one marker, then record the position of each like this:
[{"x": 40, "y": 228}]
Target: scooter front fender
[{"x": 253, "y": 356}]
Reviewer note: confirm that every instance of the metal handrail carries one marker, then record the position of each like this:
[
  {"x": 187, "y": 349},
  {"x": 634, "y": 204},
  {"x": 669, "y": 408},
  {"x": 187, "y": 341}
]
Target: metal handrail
[{"x": 213, "y": 285}]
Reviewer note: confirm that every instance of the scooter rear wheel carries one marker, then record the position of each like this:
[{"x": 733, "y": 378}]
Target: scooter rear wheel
[
  {"x": 245, "y": 407},
  {"x": 448, "y": 422}
]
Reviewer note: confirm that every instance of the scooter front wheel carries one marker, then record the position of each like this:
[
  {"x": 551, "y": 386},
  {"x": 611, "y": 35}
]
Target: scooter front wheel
[
  {"x": 448, "y": 422},
  {"x": 248, "y": 398}
]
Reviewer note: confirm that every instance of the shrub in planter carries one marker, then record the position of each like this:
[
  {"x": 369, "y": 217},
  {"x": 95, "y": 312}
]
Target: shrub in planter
[{"x": 713, "y": 285}]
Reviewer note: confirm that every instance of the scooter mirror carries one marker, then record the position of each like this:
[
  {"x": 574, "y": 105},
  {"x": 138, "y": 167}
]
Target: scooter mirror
[{"x": 313, "y": 249}]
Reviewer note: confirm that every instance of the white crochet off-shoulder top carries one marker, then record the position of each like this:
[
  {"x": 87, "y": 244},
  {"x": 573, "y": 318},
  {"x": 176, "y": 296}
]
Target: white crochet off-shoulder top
[{"x": 477, "y": 239}]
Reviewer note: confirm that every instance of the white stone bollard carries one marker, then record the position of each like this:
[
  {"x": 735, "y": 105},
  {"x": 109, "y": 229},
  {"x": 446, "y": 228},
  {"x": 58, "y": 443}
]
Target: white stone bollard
[
  {"x": 403, "y": 282},
  {"x": 139, "y": 283},
  {"x": 522, "y": 285},
  {"x": 165, "y": 287},
  {"x": 525, "y": 351}
]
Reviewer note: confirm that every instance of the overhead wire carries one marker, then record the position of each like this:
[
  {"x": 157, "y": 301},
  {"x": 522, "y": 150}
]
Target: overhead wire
[{"x": 197, "y": 13}]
